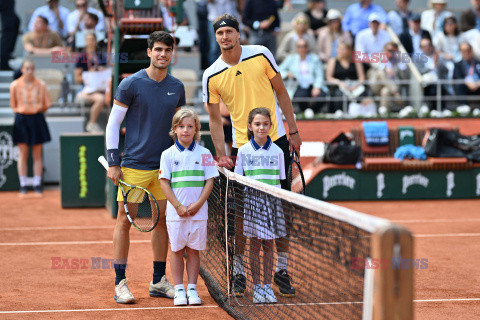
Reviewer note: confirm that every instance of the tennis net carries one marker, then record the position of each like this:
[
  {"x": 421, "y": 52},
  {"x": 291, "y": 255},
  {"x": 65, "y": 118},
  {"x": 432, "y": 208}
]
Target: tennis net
[{"x": 328, "y": 247}]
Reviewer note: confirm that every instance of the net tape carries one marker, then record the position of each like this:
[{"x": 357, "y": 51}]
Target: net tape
[{"x": 323, "y": 238}]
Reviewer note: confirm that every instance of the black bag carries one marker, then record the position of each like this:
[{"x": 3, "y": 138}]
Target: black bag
[{"x": 342, "y": 150}]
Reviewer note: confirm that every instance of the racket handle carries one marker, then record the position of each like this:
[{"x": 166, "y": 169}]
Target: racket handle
[{"x": 103, "y": 161}]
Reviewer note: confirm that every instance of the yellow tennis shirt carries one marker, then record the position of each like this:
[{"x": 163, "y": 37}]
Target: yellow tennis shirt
[{"x": 244, "y": 87}]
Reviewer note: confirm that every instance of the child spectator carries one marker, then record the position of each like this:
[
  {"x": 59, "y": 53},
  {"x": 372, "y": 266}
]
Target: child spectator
[
  {"x": 262, "y": 224},
  {"x": 187, "y": 181}
]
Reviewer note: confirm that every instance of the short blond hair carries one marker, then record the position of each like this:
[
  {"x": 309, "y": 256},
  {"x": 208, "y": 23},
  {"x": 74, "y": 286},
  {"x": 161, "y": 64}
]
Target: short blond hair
[{"x": 179, "y": 116}]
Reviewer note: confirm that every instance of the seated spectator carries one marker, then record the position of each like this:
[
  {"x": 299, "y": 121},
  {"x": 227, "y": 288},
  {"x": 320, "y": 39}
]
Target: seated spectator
[
  {"x": 471, "y": 17},
  {"x": 331, "y": 35},
  {"x": 42, "y": 40},
  {"x": 373, "y": 39},
  {"x": 56, "y": 16},
  {"x": 29, "y": 100},
  {"x": 448, "y": 44},
  {"x": 398, "y": 18},
  {"x": 411, "y": 39},
  {"x": 307, "y": 70},
  {"x": 90, "y": 21},
  {"x": 168, "y": 21},
  {"x": 75, "y": 19},
  {"x": 432, "y": 68},
  {"x": 384, "y": 77},
  {"x": 467, "y": 69},
  {"x": 347, "y": 76},
  {"x": 471, "y": 33},
  {"x": 300, "y": 30},
  {"x": 356, "y": 16},
  {"x": 91, "y": 71},
  {"x": 316, "y": 14},
  {"x": 433, "y": 19}
]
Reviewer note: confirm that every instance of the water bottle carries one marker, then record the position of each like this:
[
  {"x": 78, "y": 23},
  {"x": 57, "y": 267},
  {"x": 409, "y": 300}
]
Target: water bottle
[{"x": 65, "y": 87}]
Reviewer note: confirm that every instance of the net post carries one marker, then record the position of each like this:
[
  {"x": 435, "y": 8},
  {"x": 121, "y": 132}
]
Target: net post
[{"x": 393, "y": 279}]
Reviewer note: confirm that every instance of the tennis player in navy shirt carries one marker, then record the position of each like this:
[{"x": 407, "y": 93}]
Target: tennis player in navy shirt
[{"x": 147, "y": 100}]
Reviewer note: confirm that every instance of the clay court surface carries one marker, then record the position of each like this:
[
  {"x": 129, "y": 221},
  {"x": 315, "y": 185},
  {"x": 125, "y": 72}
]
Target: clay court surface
[{"x": 35, "y": 231}]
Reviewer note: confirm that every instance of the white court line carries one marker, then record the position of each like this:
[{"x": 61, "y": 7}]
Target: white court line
[
  {"x": 112, "y": 309},
  {"x": 54, "y": 243},
  {"x": 200, "y": 307},
  {"x": 55, "y": 228},
  {"x": 435, "y": 220}
]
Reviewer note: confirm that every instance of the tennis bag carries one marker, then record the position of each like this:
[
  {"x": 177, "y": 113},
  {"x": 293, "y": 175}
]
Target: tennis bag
[{"x": 342, "y": 150}]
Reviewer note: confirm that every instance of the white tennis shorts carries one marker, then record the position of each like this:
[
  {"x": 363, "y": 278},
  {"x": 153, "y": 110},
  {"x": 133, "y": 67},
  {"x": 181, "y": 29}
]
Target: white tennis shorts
[{"x": 187, "y": 233}]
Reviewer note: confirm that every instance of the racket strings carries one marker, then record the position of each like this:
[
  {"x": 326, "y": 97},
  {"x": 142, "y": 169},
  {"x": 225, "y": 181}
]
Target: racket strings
[{"x": 142, "y": 208}]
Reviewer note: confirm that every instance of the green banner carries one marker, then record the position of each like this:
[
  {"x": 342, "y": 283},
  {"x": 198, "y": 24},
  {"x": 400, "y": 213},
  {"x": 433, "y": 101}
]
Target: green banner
[{"x": 350, "y": 184}]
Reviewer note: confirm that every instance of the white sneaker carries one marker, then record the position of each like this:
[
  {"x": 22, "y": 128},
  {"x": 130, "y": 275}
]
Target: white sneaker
[
  {"x": 180, "y": 298},
  {"x": 93, "y": 127},
  {"x": 269, "y": 295},
  {"x": 122, "y": 293},
  {"x": 258, "y": 294},
  {"x": 193, "y": 298},
  {"x": 163, "y": 288}
]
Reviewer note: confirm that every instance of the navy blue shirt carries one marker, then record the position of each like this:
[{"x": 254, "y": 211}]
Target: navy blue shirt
[{"x": 151, "y": 106}]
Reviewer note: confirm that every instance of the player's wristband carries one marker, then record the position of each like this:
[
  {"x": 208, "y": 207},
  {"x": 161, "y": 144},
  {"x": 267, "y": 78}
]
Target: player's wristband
[
  {"x": 178, "y": 205},
  {"x": 113, "y": 157},
  {"x": 291, "y": 134}
]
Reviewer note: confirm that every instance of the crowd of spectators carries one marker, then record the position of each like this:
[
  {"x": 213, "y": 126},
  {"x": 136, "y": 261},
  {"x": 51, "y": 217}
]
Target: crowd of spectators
[{"x": 331, "y": 57}]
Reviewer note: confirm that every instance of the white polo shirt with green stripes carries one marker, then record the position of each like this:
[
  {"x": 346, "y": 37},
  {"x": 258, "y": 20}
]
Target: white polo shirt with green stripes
[
  {"x": 265, "y": 164},
  {"x": 187, "y": 171}
]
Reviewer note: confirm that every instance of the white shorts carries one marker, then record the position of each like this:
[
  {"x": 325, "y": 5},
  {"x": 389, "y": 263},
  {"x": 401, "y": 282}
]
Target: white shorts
[{"x": 187, "y": 233}]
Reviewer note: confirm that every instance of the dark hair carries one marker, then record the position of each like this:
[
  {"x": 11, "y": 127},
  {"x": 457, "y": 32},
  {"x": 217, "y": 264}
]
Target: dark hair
[
  {"x": 45, "y": 20},
  {"x": 454, "y": 20},
  {"x": 226, "y": 16},
  {"x": 252, "y": 114},
  {"x": 93, "y": 16},
  {"x": 160, "y": 36}
]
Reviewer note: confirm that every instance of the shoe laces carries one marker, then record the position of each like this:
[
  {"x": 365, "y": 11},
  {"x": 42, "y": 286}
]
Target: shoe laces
[{"x": 124, "y": 289}]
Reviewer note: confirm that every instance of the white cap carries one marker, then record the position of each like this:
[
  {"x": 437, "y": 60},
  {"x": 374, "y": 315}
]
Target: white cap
[
  {"x": 374, "y": 17},
  {"x": 333, "y": 14}
]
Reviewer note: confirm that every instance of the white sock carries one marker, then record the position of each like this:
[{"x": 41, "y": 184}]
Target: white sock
[
  {"x": 23, "y": 181},
  {"x": 282, "y": 261},
  {"x": 191, "y": 286},
  {"x": 37, "y": 180},
  {"x": 179, "y": 287},
  {"x": 238, "y": 265}
]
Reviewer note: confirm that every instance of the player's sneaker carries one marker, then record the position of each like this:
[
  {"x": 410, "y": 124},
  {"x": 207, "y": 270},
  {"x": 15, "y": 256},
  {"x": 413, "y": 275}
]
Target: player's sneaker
[
  {"x": 180, "y": 298},
  {"x": 22, "y": 192},
  {"x": 269, "y": 295},
  {"x": 282, "y": 280},
  {"x": 258, "y": 294},
  {"x": 239, "y": 285},
  {"x": 122, "y": 293},
  {"x": 193, "y": 298},
  {"x": 163, "y": 288}
]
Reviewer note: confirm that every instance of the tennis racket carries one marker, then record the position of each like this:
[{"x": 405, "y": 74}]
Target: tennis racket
[
  {"x": 140, "y": 205},
  {"x": 295, "y": 175}
]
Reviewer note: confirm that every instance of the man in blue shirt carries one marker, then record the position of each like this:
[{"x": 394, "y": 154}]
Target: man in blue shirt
[
  {"x": 356, "y": 16},
  {"x": 147, "y": 100}
]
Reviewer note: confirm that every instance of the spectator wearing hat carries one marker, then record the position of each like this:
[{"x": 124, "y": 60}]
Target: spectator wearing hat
[
  {"x": 398, "y": 18},
  {"x": 432, "y": 20},
  {"x": 356, "y": 16},
  {"x": 470, "y": 18},
  {"x": 331, "y": 35},
  {"x": 373, "y": 39},
  {"x": 56, "y": 16},
  {"x": 411, "y": 39},
  {"x": 306, "y": 69},
  {"x": 300, "y": 24},
  {"x": 316, "y": 14},
  {"x": 467, "y": 69},
  {"x": 42, "y": 40}
]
